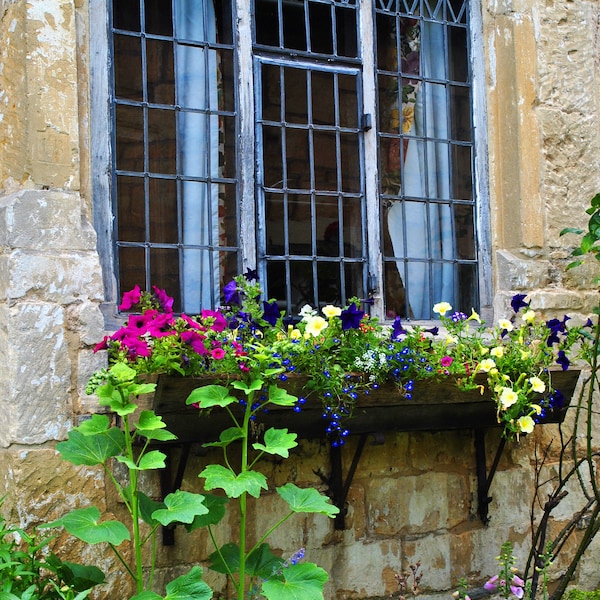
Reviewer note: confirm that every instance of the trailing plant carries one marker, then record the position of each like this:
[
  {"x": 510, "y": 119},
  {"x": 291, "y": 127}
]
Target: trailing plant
[{"x": 98, "y": 442}]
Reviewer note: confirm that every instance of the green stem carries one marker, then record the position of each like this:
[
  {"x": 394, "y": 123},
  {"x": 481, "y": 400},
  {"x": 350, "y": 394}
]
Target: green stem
[
  {"x": 243, "y": 497},
  {"x": 135, "y": 508}
]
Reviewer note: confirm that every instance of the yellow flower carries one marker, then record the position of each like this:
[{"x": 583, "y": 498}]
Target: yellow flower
[
  {"x": 486, "y": 365},
  {"x": 525, "y": 354},
  {"x": 295, "y": 334},
  {"x": 526, "y": 424},
  {"x": 497, "y": 352},
  {"x": 474, "y": 316},
  {"x": 537, "y": 385},
  {"x": 537, "y": 408},
  {"x": 505, "y": 324},
  {"x": 315, "y": 325},
  {"x": 331, "y": 311},
  {"x": 529, "y": 316},
  {"x": 508, "y": 397},
  {"x": 450, "y": 339},
  {"x": 441, "y": 308}
]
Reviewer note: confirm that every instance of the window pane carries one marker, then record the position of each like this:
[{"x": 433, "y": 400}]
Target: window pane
[
  {"x": 296, "y": 107},
  {"x": 163, "y": 211},
  {"x": 350, "y": 157},
  {"x": 348, "y": 92},
  {"x": 323, "y": 99},
  {"x": 126, "y": 14},
  {"x": 131, "y": 216},
  {"x": 297, "y": 159},
  {"x": 161, "y": 78},
  {"x": 129, "y": 138},
  {"x": 273, "y": 157},
  {"x": 128, "y": 67},
  {"x": 299, "y": 225},
  {"x": 321, "y": 39},
  {"x": 161, "y": 141},
  {"x": 325, "y": 160},
  {"x": 157, "y": 14},
  {"x": 464, "y": 223},
  {"x": 132, "y": 268},
  {"x": 271, "y": 93}
]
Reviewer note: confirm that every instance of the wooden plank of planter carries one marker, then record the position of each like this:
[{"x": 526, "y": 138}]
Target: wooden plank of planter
[{"x": 435, "y": 406}]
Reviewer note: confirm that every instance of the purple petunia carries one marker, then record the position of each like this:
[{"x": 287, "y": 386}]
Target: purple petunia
[
  {"x": 231, "y": 293},
  {"x": 397, "y": 329},
  {"x": 518, "y": 302},
  {"x": 563, "y": 360},
  {"x": 351, "y": 317},
  {"x": 271, "y": 312}
]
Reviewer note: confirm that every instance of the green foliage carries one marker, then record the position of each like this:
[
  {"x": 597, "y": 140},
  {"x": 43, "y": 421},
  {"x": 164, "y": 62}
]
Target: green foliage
[
  {"x": 590, "y": 242},
  {"x": 30, "y": 571},
  {"x": 97, "y": 443}
]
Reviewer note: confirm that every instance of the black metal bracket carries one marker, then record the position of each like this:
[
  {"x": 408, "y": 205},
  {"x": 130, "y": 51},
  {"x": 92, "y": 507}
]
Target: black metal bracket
[
  {"x": 485, "y": 478},
  {"x": 169, "y": 485}
]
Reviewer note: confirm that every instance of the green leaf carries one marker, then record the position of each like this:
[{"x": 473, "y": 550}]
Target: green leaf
[
  {"x": 189, "y": 587},
  {"x": 306, "y": 500},
  {"x": 226, "y": 559},
  {"x": 84, "y": 523},
  {"x": 155, "y": 459},
  {"x": 180, "y": 507},
  {"x": 81, "y": 577},
  {"x": 255, "y": 386},
  {"x": 147, "y": 507},
  {"x": 280, "y": 396},
  {"x": 250, "y": 482},
  {"x": 162, "y": 435},
  {"x": 587, "y": 241},
  {"x": 139, "y": 389},
  {"x": 575, "y": 230},
  {"x": 216, "y": 512},
  {"x": 209, "y": 396},
  {"x": 304, "y": 581},
  {"x": 8, "y": 596},
  {"x": 231, "y": 434},
  {"x": 147, "y": 595},
  {"x": 277, "y": 441},
  {"x": 97, "y": 424},
  {"x": 92, "y": 449},
  {"x": 262, "y": 562},
  {"x": 149, "y": 420}
]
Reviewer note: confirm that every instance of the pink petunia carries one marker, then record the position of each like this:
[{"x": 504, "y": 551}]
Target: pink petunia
[
  {"x": 131, "y": 298},
  {"x": 219, "y": 323},
  {"x": 136, "y": 347},
  {"x": 191, "y": 322},
  {"x": 218, "y": 353},
  {"x": 446, "y": 361},
  {"x": 165, "y": 301},
  {"x": 195, "y": 340}
]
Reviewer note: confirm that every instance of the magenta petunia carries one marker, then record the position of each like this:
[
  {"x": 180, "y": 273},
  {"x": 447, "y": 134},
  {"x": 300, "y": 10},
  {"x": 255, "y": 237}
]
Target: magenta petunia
[
  {"x": 136, "y": 347},
  {"x": 131, "y": 298},
  {"x": 165, "y": 301},
  {"x": 191, "y": 322},
  {"x": 446, "y": 361},
  {"x": 218, "y": 353},
  {"x": 218, "y": 321},
  {"x": 195, "y": 340}
]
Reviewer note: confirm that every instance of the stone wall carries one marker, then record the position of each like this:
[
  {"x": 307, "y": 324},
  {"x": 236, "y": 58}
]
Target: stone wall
[{"x": 413, "y": 497}]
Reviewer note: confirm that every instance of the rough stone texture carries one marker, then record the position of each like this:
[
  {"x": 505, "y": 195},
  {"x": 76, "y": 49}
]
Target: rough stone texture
[{"x": 414, "y": 496}]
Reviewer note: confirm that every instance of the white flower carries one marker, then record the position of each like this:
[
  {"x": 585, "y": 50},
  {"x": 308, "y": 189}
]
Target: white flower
[
  {"x": 441, "y": 308},
  {"x": 526, "y": 424},
  {"x": 537, "y": 385},
  {"x": 331, "y": 311},
  {"x": 505, "y": 324},
  {"x": 528, "y": 316},
  {"x": 486, "y": 365},
  {"x": 315, "y": 325},
  {"x": 307, "y": 311},
  {"x": 497, "y": 352},
  {"x": 508, "y": 397}
]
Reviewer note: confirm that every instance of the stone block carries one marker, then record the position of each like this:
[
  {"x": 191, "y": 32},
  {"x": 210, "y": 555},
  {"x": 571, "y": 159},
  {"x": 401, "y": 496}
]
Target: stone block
[
  {"x": 44, "y": 220},
  {"x": 63, "y": 278},
  {"x": 39, "y": 365},
  {"x": 515, "y": 273},
  {"x": 417, "y": 504},
  {"x": 87, "y": 321}
]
